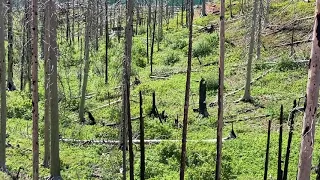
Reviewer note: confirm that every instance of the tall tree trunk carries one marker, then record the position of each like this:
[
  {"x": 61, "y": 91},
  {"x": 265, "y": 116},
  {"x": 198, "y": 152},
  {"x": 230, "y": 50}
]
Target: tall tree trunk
[
  {"x": 23, "y": 56},
  {"x": 10, "y": 84},
  {"x": 68, "y": 23},
  {"x": 260, "y": 13},
  {"x": 126, "y": 87},
  {"x": 35, "y": 95},
  {"x": 153, "y": 36},
  {"x": 220, "y": 90},
  {"x": 186, "y": 97},
  {"x": 107, "y": 41},
  {"x": 231, "y": 15},
  {"x": 159, "y": 37},
  {"x": 54, "y": 134},
  {"x": 29, "y": 48},
  {"x": 142, "y": 148},
  {"x": 182, "y": 9},
  {"x": 86, "y": 61},
  {"x": 96, "y": 20},
  {"x": 279, "y": 174},
  {"x": 3, "y": 110},
  {"x": 247, "y": 96},
  {"x": 73, "y": 19},
  {"x": 266, "y": 163},
  {"x": 148, "y": 28},
  {"x": 266, "y": 16},
  {"x": 203, "y": 9},
  {"x": 47, "y": 85},
  {"x": 309, "y": 119}
]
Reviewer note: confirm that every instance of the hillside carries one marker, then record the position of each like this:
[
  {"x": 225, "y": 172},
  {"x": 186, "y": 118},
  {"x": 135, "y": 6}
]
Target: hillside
[{"x": 279, "y": 78}]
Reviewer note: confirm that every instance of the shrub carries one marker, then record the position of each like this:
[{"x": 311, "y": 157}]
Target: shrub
[
  {"x": 201, "y": 49},
  {"x": 19, "y": 106},
  {"x": 179, "y": 44},
  {"x": 140, "y": 62},
  {"x": 171, "y": 58},
  {"x": 286, "y": 65}
]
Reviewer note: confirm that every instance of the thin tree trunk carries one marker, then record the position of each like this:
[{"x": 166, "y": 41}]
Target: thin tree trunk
[
  {"x": 23, "y": 51},
  {"x": 266, "y": 17},
  {"x": 266, "y": 163},
  {"x": 10, "y": 84},
  {"x": 153, "y": 36},
  {"x": 107, "y": 41},
  {"x": 220, "y": 90},
  {"x": 259, "y": 29},
  {"x": 68, "y": 23},
  {"x": 142, "y": 148},
  {"x": 73, "y": 14},
  {"x": 29, "y": 48},
  {"x": 47, "y": 88},
  {"x": 187, "y": 95},
  {"x": 247, "y": 96},
  {"x": 126, "y": 85},
  {"x": 203, "y": 10},
  {"x": 86, "y": 61},
  {"x": 35, "y": 96},
  {"x": 159, "y": 37},
  {"x": 182, "y": 9},
  {"x": 55, "y": 160},
  {"x": 309, "y": 119},
  {"x": 148, "y": 28},
  {"x": 279, "y": 174},
  {"x": 3, "y": 93},
  {"x": 230, "y": 1},
  {"x": 286, "y": 162}
]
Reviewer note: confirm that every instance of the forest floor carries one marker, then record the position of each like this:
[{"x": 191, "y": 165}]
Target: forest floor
[{"x": 281, "y": 79}]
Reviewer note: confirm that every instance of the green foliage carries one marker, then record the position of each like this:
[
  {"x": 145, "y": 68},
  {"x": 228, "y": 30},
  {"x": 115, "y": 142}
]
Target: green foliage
[
  {"x": 19, "y": 105},
  {"x": 287, "y": 65},
  {"x": 171, "y": 58},
  {"x": 205, "y": 45}
]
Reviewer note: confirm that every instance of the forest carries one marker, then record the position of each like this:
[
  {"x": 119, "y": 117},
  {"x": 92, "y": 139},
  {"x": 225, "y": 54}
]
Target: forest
[{"x": 159, "y": 89}]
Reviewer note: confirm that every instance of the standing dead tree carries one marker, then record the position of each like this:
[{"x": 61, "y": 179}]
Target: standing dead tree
[
  {"x": 220, "y": 90},
  {"x": 187, "y": 95},
  {"x": 308, "y": 129}
]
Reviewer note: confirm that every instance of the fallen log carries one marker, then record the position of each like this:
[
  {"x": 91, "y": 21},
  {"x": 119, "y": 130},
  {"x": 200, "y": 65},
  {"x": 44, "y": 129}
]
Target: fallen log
[
  {"x": 248, "y": 118},
  {"x": 293, "y": 43},
  {"x": 136, "y": 141}
]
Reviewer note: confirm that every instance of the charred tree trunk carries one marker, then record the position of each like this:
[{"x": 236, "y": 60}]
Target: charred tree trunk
[
  {"x": 202, "y": 98},
  {"x": 187, "y": 95},
  {"x": 279, "y": 174},
  {"x": 286, "y": 162},
  {"x": 266, "y": 163},
  {"x": 153, "y": 36},
  {"x": 142, "y": 148},
  {"x": 220, "y": 90}
]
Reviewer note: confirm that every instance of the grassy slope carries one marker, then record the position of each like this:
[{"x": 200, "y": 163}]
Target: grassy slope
[{"x": 243, "y": 157}]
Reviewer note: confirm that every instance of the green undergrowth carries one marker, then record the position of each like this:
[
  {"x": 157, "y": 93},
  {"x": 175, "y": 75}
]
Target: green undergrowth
[{"x": 243, "y": 157}]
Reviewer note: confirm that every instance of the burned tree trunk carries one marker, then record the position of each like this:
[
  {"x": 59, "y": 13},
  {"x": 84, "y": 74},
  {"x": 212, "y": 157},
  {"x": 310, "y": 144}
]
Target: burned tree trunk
[
  {"x": 142, "y": 148},
  {"x": 266, "y": 163},
  {"x": 279, "y": 174},
  {"x": 10, "y": 84},
  {"x": 202, "y": 98}
]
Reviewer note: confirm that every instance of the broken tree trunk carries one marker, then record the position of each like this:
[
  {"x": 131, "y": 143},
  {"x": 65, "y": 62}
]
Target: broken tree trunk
[
  {"x": 267, "y": 153},
  {"x": 279, "y": 176},
  {"x": 202, "y": 98}
]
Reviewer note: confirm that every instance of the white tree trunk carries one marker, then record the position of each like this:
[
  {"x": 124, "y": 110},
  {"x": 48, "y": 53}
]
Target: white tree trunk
[{"x": 309, "y": 119}]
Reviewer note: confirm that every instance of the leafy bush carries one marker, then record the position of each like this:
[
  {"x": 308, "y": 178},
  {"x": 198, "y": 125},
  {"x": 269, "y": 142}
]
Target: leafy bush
[
  {"x": 212, "y": 82},
  {"x": 179, "y": 44},
  {"x": 19, "y": 106},
  {"x": 286, "y": 65},
  {"x": 201, "y": 49},
  {"x": 171, "y": 59}
]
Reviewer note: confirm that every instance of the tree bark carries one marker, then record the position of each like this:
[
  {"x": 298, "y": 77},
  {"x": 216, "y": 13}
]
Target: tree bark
[
  {"x": 203, "y": 10},
  {"x": 309, "y": 119},
  {"x": 47, "y": 85},
  {"x": 266, "y": 163},
  {"x": 10, "y": 84},
  {"x": 279, "y": 174},
  {"x": 259, "y": 29},
  {"x": 247, "y": 96},
  {"x": 126, "y": 86},
  {"x": 54, "y": 134},
  {"x": 3, "y": 113},
  {"x": 148, "y": 28},
  {"x": 35, "y": 95},
  {"x": 153, "y": 35},
  {"x": 187, "y": 95},
  {"x": 107, "y": 41},
  {"x": 142, "y": 148},
  {"x": 86, "y": 61},
  {"x": 220, "y": 90}
]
